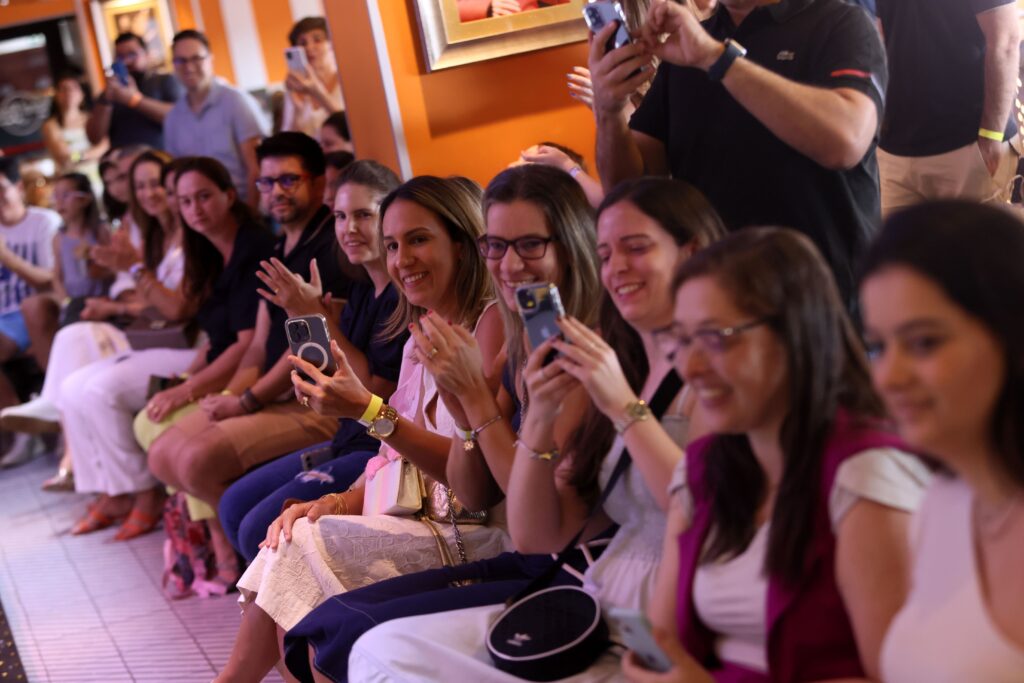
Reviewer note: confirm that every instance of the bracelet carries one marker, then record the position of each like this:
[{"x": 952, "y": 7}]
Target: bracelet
[
  {"x": 135, "y": 100},
  {"x": 469, "y": 437},
  {"x": 635, "y": 411},
  {"x": 250, "y": 403},
  {"x": 990, "y": 134},
  {"x": 371, "y": 410},
  {"x": 464, "y": 435},
  {"x": 340, "y": 504},
  {"x": 547, "y": 456},
  {"x": 575, "y": 171}
]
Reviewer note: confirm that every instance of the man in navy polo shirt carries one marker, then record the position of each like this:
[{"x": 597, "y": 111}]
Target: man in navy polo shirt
[
  {"x": 771, "y": 109},
  {"x": 953, "y": 65}
]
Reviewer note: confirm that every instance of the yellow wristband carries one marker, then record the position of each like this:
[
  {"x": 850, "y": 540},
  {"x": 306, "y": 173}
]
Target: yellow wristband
[
  {"x": 372, "y": 409},
  {"x": 990, "y": 134}
]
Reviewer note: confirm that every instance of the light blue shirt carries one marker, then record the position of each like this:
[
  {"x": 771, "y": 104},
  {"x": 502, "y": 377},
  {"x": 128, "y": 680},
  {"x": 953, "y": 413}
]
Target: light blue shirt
[{"x": 228, "y": 118}]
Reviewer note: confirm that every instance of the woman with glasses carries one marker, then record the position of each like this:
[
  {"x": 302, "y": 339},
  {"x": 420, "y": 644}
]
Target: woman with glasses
[
  {"x": 645, "y": 229},
  {"x": 942, "y": 322},
  {"x": 786, "y": 550}
]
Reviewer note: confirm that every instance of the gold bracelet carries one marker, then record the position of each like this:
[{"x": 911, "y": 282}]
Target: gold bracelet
[
  {"x": 340, "y": 504},
  {"x": 546, "y": 456},
  {"x": 469, "y": 437}
]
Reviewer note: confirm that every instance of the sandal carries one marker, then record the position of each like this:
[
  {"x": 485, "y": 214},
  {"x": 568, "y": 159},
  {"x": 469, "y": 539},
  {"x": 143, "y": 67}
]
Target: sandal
[
  {"x": 95, "y": 519},
  {"x": 63, "y": 481},
  {"x": 137, "y": 524}
]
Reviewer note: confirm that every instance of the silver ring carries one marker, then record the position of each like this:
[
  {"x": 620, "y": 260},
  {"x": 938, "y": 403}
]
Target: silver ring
[
  {"x": 305, "y": 401},
  {"x": 433, "y": 352}
]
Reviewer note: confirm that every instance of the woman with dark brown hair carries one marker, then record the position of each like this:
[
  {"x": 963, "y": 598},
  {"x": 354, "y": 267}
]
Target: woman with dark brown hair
[{"x": 785, "y": 552}]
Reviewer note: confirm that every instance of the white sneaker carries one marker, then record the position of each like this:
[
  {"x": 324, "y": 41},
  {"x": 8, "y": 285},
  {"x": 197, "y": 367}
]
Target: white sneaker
[
  {"x": 37, "y": 416},
  {"x": 23, "y": 448}
]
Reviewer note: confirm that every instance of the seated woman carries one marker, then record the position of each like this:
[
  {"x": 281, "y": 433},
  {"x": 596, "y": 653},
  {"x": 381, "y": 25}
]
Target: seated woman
[
  {"x": 645, "y": 228},
  {"x": 428, "y": 227},
  {"x": 252, "y": 503},
  {"x": 942, "y": 316},
  {"x": 157, "y": 286},
  {"x": 785, "y": 555},
  {"x": 223, "y": 245}
]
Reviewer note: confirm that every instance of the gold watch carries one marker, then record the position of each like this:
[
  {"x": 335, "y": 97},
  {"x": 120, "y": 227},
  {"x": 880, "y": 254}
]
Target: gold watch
[
  {"x": 383, "y": 425},
  {"x": 635, "y": 411}
]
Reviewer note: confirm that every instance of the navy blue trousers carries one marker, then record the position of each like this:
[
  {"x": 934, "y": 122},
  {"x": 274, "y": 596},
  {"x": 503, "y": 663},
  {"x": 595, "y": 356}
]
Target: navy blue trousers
[{"x": 250, "y": 504}]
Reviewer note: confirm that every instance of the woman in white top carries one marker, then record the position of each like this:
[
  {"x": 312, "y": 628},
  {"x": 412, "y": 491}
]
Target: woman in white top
[
  {"x": 942, "y": 296},
  {"x": 645, "y": 228},
  {"x": 314, "y": 94},
  {"x": 64, "y": 132}
]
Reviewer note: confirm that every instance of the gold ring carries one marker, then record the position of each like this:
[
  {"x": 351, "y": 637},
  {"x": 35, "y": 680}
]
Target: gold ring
[
  {"x": 305, "y": 401},
  {"x": 433, "y": 352}
]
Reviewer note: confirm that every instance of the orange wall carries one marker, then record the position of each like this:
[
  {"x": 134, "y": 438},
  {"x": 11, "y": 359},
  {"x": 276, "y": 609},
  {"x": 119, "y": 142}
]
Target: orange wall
[
  {"x": 37, "y": 10},
  {"x": 214, "y": 25},
  {"x": 273, "y": 20},
  {"x": 471, "y": 120}
]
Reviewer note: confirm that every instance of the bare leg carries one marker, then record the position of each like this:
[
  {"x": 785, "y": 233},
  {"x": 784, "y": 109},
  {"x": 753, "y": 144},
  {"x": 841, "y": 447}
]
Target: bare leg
[
  {"x": 255, "y": 651},
  {"x": 41, "y": 313},
  {"x": 8, "y": 350},
  {"x": 281, "y": 668},
  {"x": 317, "y": 676}
]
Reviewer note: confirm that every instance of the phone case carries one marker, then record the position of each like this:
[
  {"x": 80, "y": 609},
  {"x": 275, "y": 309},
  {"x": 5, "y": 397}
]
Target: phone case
[
  {"x": 601, "y": 13},
  {"x": 540, "y": 307},
  {"x": 121, "y": 71},
  {"x": 310, "y": 340},
  {"x": 295, "y": 58},
  {"x": 635, "y": 632}
]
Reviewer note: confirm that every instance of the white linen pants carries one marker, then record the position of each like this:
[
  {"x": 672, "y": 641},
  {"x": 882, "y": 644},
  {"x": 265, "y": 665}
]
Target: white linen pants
[
  {"x": 76, "y": 346},
  {"x": 99, "y": 403}
]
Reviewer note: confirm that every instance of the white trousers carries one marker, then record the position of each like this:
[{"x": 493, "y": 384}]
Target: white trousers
[
  {"x": 99, "y": 403},
  {"x": 960, "y": 174},
  {"x": 76, "y": 346}
]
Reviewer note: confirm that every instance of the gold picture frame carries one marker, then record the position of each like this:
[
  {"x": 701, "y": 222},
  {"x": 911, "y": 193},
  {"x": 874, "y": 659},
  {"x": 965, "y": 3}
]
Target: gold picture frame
[
  {"x": 147, "y": 18},
  {"x": 449, "y": 42}
]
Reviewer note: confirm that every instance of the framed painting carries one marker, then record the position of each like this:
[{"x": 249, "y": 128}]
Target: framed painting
[
  {"x": 457, "y": 32},
  {"x": 146, "y": 18}
]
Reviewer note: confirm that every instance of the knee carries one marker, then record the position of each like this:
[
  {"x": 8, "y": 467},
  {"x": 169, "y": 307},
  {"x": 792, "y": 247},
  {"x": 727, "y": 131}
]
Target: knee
[
  {"x": 197, "y": 466},
  {"x": 38, "y": 309}
]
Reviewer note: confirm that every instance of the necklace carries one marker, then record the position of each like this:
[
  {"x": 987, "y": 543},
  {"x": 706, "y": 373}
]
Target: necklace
[{"x": 991, "y": 523}]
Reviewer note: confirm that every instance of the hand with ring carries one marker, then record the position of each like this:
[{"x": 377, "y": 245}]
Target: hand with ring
[
  {"x": 452, "y": 356},
  {"x": 337, "y": 395},
  {"x": 588, "y": 358},
  {"x": 289, "y": 291}
]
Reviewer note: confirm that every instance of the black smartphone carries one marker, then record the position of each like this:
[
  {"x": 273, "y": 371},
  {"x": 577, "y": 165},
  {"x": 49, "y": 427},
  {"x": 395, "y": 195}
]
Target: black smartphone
[
  {"x": 600, "y": 13},
  {"x": 310, "y": 340},
  {"x": 540, "y": 306}
]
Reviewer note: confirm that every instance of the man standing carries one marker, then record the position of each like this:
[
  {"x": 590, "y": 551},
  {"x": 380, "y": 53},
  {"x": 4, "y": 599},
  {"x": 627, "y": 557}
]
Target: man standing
[
  {"x": 953, "y": 67},
  {"x": 213, "y": 118},
  {"x": 133, "y": 113},
  {"x": 26, "y": 266},
  {"x": 770, "y": 108}
]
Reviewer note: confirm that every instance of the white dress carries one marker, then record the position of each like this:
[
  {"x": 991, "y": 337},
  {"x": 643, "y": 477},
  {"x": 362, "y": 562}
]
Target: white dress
[
  {"x": 339, "y": 553},
  {"x": 449, "y": 646},
  {"x": 944, "y": 633}
]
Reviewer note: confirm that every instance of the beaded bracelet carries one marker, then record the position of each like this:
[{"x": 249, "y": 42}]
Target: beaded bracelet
[{"x": 547, "y": 456}]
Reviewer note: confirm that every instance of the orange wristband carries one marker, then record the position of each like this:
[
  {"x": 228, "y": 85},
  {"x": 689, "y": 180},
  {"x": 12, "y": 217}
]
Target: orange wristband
[{"x": 135, "y": 100}]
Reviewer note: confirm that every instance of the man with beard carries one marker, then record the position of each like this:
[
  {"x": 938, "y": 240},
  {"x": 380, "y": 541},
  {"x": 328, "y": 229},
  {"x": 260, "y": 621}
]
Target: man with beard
[
  {"x": 133, "y": 113},
  {"x": 257, "y": 418}
]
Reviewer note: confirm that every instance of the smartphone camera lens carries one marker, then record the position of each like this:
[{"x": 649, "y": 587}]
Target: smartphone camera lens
[{"x": 300, "y": 331}]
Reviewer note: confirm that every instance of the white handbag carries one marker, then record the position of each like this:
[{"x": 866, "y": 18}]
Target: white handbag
[{"x": 396, "y": 489}]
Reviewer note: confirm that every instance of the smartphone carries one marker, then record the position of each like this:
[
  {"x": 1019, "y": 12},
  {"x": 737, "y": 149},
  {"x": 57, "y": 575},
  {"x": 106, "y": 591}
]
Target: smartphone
[
  {"x": 120, "y": 71},
  {"x": 600, "y": 13},
  {"x": 635, "y": 632},
  {"x": 540, "y": 306},
  {"x": 295, "y": 57},
  {"x": 310, "y": 340}
]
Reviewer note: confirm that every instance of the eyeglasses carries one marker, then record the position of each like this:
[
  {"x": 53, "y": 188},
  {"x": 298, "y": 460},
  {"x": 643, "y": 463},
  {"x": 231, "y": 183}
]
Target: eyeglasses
[
  {"x": 195, "y": 60},
  {"x": 673, "y": 338},
  {"x": 287, "y": 181},
  {"x": 528, "y": 248}
]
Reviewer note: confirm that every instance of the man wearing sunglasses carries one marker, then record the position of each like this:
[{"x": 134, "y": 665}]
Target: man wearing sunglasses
[{"x": 212, "y": 118}]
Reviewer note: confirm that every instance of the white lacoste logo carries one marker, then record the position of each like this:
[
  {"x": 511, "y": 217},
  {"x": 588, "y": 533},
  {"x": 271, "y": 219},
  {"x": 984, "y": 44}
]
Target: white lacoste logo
[
  {"x": 785, "y": 56},
  {"x": 519, "y": 639}
]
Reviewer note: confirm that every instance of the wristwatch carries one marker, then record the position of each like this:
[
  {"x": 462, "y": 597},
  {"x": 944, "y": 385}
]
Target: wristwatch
[
  {"x": 635, "y": 411},
  {"x": 384, "y": 424},
  {"x": 733, "y": 51}
]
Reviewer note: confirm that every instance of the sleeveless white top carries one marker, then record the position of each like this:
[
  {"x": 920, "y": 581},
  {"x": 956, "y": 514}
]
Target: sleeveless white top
[{"x": 944, "y": 633}]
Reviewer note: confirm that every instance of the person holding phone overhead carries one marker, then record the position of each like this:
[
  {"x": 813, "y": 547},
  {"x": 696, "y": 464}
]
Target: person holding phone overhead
[{"x": 313, "y": 87}]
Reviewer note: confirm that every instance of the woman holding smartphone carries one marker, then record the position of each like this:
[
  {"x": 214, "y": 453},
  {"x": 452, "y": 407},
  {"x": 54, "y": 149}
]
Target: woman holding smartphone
[
  {"x": 645, "y": 229},
  {"x": 942, "y": 322},
  {"x": 785, "y": 553},
  {"x": 428, "y": 228}
]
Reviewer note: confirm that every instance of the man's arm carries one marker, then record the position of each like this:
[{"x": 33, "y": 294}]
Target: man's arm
[
  {"x": 1002, "y": 62},
  {"x": 97, "y": 126},
  {"x": 38, "y": 277}
]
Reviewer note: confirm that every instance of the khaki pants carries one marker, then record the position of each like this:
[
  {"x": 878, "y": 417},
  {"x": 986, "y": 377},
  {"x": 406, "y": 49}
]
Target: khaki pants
[{"x": 960, "y": 174}]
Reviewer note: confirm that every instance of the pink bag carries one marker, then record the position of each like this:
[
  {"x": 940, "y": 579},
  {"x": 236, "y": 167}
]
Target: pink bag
[{"x": 189, "y": 563}]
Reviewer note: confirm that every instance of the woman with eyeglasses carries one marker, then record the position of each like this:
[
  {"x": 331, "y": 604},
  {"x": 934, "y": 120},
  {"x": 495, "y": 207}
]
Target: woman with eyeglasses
[
  {"x": 942, "y": 297},
  {"x": 645, "y": 229},
  {"x": 786, "y": 551}
]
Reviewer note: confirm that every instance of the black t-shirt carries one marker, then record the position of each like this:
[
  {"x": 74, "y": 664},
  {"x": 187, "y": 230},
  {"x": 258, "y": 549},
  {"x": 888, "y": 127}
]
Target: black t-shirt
[
  {"x": 362, "y": 321},
  {"x": 317, "y": 241},
  {"x": 232, "y": 304},
  {"x": 131, "y": 127},
  {"x": 936, "y": 73},
  {"x": 752, "y": 177}
]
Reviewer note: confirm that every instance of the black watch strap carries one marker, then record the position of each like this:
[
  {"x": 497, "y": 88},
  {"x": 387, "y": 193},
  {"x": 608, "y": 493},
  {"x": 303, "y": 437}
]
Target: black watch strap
[{"x": 733, "y": 51}]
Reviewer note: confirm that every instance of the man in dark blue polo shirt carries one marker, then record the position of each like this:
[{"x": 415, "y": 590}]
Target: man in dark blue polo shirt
[
  {"x": 953, "y": 66},
  {"x": 769, "y": 108}
]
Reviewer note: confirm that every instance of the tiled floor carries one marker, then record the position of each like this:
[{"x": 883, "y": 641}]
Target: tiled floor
[{"x": 86, "y": 608}]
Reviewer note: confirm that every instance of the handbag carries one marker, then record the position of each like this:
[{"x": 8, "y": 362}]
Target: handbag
[
  {"x": 396, "y": 489},
  {"x": 151, "y": 331},
  {"x": 552, "y": 632}
]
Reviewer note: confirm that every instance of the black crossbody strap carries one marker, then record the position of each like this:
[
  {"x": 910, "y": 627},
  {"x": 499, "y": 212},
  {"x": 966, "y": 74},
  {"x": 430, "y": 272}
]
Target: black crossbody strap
[{"x": 668, "y": 389}]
